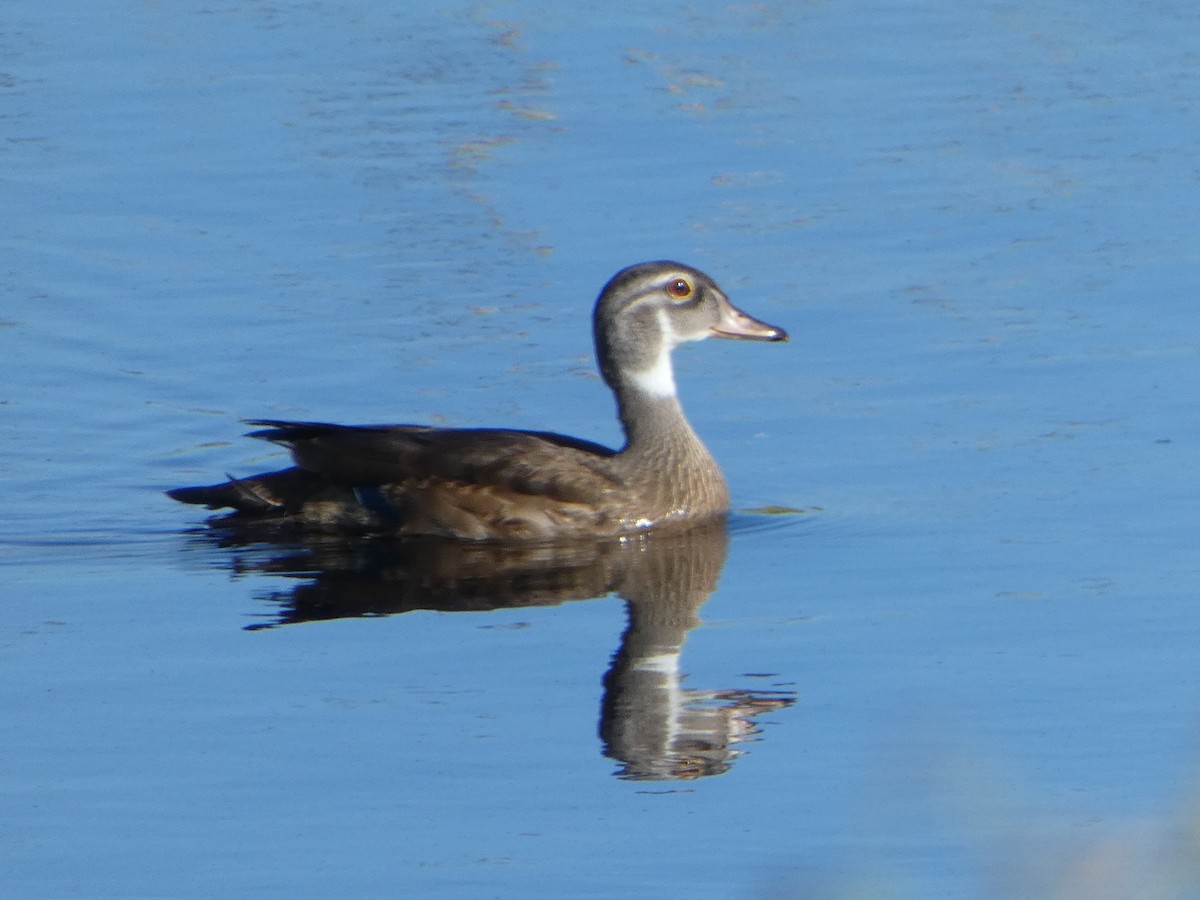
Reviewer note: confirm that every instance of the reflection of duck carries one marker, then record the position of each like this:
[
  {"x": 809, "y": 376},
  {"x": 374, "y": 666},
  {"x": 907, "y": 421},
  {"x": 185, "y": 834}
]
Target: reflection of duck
[
  {"x": 648, "y": 722},
  {"x": 502, "y": 485},
  {"x": 657, "y": 728}
]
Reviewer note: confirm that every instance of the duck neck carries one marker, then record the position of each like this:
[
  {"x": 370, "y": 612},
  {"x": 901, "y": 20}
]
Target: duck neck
[
  {"x": 652, "y": 421},
  {"x": 663, "y": 461},
  {"x": 658, "y": 436}
]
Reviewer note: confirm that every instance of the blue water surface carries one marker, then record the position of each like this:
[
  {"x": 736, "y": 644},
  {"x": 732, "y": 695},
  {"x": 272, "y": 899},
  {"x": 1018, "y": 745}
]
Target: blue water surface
[{"x": 954, "y": 632}]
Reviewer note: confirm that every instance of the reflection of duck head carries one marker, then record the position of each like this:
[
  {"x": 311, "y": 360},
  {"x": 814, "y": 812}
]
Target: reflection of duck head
[{"x": 655, "y": 728}]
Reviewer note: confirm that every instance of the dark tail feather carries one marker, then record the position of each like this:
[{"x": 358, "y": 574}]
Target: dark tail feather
[
  {"x": 283, "y": 432},
  {"x": 270, "y": 494}
]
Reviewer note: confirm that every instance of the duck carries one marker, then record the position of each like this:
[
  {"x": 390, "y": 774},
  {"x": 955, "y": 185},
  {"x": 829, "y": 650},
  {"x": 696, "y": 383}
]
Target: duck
[{"x": 506, "y": 485}]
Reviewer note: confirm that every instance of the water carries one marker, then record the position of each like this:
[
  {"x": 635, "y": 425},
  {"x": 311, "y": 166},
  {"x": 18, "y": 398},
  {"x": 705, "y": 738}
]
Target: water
[{"x": 964, "y": 668}]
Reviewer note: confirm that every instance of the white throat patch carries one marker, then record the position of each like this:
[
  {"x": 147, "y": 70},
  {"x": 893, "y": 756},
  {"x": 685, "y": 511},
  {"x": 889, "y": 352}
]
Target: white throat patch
[{"x": 659, "y": 379}]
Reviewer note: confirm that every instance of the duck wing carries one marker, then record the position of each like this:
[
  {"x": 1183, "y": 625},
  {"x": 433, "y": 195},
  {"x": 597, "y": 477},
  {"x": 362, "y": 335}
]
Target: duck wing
[
  {"x": 466, "y": 484},
  {"x": 524, "y": 463}
]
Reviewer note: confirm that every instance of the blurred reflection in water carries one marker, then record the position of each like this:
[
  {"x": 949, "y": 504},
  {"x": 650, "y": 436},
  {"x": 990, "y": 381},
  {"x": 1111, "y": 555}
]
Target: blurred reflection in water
[
  {"x": 1017, "y": 853},
  {"x": 649, "y": 722}
]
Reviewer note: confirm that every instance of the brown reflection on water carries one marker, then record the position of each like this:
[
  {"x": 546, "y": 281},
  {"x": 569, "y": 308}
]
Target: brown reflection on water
[{"x": 649, "y": 723}]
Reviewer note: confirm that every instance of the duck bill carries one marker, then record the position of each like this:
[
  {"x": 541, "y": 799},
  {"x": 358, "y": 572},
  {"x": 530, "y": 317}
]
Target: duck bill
[{"x": 737, "y": 325}]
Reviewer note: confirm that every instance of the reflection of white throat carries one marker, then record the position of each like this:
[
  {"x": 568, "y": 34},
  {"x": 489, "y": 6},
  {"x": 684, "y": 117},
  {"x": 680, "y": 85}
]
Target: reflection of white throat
[{"x": 659, "y": 379}]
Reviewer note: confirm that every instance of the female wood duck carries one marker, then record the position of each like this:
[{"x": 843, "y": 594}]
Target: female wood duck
[{"x": 491, "y": 484}]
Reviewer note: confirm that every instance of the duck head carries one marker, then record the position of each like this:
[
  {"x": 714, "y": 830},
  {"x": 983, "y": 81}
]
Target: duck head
[{"x": 646, "y": 310}]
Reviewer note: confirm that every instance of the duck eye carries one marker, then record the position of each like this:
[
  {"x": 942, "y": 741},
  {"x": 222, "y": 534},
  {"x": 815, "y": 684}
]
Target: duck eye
[{"x": 680, "y": 289}]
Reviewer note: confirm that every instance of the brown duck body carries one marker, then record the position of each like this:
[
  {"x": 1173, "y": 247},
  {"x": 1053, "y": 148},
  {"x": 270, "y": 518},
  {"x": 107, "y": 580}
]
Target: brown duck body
[{"x": 507, "y": 485}]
